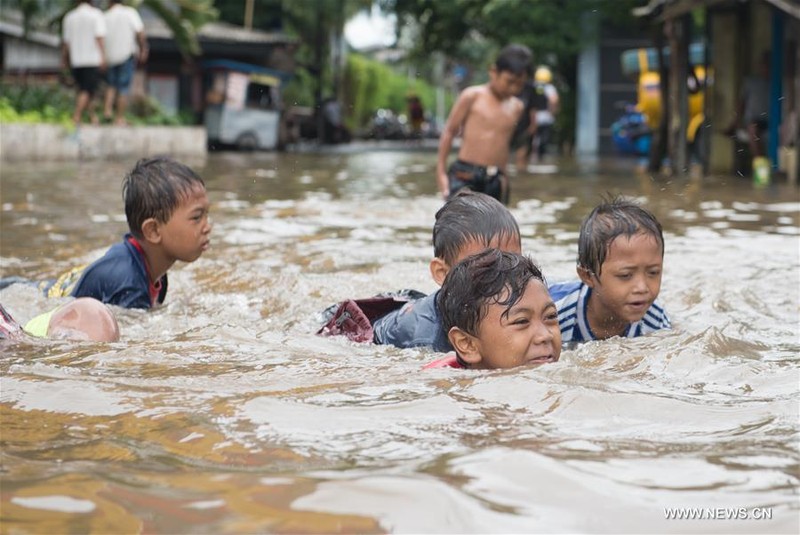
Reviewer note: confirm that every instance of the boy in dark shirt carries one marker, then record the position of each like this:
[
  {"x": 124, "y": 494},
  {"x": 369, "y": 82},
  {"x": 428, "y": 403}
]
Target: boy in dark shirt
[
  {"x": 467, "y": 224},
  {"x": 167, "y": 211}
]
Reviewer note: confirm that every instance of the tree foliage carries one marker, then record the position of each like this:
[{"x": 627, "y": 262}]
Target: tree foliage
[
  {"x": 470, "y": 32},
  {"x": 548, "y": 27},
  {"x": 371, "y": 85},
  {"x": 184, "y": 18}
]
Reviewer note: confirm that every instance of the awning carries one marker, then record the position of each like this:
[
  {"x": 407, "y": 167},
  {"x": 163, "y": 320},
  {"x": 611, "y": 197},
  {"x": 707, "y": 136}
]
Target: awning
[{"x": 670, "y": 9}]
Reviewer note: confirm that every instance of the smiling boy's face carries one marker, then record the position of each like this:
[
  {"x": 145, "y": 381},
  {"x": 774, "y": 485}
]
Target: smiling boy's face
[{"x": 528, "y": 334}]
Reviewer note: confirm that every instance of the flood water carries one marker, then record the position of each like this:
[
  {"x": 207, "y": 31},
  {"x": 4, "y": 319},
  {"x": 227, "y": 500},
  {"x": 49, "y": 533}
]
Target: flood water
[{"x": 223, "y": 412}]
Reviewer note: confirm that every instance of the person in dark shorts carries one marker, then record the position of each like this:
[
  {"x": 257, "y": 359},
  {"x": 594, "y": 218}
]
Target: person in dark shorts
[
  {"x": 485, "y": 117},
  {"x": 126, "y": 45},
  {"x": 83, "y": 50},
  {"x": 489, "y": 180}
]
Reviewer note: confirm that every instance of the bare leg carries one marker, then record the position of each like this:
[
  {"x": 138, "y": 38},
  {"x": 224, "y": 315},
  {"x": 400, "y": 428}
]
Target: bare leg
[
  {"x": 755, "y": 140},
  {"x": 108, "y": 109},
  {"x": 92, "y": 107},
  {"x": 122, "y": 105},
  {"x": 80, "y": 105},
  {"x": 522, "y": 157}
]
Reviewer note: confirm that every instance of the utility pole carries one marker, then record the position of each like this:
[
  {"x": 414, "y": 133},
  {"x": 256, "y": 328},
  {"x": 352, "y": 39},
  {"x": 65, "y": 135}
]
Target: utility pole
[{"x": 248, "y": 14}]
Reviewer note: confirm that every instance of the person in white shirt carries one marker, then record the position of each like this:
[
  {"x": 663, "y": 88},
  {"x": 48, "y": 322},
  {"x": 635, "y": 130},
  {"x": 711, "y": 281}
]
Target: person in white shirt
[
  {"x": 125, "y": 32},
  {"x": 83, "y": 31}
]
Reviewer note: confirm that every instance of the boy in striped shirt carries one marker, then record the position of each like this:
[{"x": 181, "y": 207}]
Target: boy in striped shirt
[{"x": 620, "y": 261}]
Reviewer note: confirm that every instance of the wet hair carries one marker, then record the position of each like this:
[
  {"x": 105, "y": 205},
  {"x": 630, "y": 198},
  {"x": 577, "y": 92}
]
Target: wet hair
[
  {"x": 470, "y": 216},
  {"x": 480, "y": 280},
  {"x": 608, "y": 220},
  {"x": 516, "y": 59},
  {"x": 154, "y": 188}
]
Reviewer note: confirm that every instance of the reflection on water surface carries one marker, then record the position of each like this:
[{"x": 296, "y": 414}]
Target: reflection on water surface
[{"x": 221, "y": 412}]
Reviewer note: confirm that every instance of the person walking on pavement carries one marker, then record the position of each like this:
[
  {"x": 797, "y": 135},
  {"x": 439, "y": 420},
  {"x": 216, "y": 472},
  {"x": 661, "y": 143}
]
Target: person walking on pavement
[
  {"x": 83, "y": 51},
  {"x": 125, "y": 43}
]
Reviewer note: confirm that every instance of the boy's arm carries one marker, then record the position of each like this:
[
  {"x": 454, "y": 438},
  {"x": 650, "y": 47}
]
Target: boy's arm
[
  {"x": 553, "y": 101},
  {"x": 413, "y": 325},
  {"x": 451, "y": 128}
]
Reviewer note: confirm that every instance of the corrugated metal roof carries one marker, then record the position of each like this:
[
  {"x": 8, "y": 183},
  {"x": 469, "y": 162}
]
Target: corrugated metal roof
[{"x": 14, "y": 29}]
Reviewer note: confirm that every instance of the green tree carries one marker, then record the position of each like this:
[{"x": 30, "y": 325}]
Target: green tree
[
  {"x": 184, "y": 18},
  {"x": 471, "y": 32}
]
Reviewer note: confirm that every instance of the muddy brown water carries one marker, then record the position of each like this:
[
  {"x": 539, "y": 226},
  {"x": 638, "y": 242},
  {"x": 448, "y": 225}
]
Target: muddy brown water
[{"x": 222, "y": 412}]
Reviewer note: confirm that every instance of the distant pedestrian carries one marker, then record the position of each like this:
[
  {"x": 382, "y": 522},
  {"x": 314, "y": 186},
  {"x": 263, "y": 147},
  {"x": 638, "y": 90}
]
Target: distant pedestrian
[
  {"x": 83, "y": 51},
  {"x": 485, "y": 116},
  {"x": 125, "y": 44},
  {"x": 753, "y": 107},
  {"x": 546, "y": 102},
  {"x": 416, "y": 115}
]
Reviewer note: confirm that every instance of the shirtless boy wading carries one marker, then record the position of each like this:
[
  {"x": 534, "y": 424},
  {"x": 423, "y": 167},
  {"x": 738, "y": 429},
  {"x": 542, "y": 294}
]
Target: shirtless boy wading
[{"x": 486, "y": 116}]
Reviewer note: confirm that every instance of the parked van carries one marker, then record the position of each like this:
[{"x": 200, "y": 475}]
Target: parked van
[{"x": 243, "y": 105}]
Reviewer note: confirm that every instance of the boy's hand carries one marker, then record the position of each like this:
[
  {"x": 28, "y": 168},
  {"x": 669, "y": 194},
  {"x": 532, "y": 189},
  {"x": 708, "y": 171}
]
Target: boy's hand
[{"x": 443, "y": 183}]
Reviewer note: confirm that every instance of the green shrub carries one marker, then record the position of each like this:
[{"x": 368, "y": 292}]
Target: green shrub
[
  {"x": 54, "y": 104},
  {"x": 370, "y": 85}
]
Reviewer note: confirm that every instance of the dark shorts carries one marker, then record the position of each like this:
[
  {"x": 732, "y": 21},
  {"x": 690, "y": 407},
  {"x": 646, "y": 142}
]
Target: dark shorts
[
  {"x": 521, "y": 139},
  {"x": 761, "y": 125},
  {"x": 490, "y": 181},
  {"x": 544, "y": 133},
  {"x": 86, "y": 78},
  {"x": 119, "y": 76}
]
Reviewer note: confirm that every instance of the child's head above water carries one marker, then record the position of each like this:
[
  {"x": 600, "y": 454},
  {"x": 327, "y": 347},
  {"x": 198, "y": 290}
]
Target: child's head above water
[
  {"x": 498, "y": 313},
  {"x": 468, "y": 223},
  {"x": 154, "y": 188},
  {"x": 606, "y": 222},
  {"x": 166, "y": 204},
  {"x": 620, "y": 257}
]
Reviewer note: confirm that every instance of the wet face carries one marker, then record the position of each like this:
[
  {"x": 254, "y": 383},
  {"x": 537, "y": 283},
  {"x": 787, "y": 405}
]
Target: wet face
[
  {"x": 506, "y": 84},
  {"x": 629, "y": 282},
  {"x": 527, "y": 335},
  {"x": 186, "y": 235}
]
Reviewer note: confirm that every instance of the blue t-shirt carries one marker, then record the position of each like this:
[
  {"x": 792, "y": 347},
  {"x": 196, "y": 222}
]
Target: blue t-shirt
[
  {"x": 571, "y": 299},
  {"x": 119, "y": 278},
  {"x": 415, "y": 324}
]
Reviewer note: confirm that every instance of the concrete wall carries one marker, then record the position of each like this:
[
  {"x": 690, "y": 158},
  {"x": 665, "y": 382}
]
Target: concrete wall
[{"x": 25, "y": 142}]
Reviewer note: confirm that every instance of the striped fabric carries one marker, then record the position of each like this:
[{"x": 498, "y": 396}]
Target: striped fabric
[{"x": 571, "y": 299}]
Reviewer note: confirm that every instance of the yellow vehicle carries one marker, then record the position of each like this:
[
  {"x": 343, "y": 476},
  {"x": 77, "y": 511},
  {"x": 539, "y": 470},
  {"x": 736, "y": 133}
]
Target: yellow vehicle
[{"x": 643, "y": 63}]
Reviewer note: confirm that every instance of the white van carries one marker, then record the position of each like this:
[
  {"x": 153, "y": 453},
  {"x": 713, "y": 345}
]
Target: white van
[{"x": 243, "y": 105}]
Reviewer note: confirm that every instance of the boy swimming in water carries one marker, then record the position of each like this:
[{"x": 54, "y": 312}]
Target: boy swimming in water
[
  {"x": 167, "y": 211},
  {"x": 497, "y": 313},
  {"x": 466, "y": 224},
  {"x": 485, "y": 116},
  {"x": 620, "y": 261}
]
